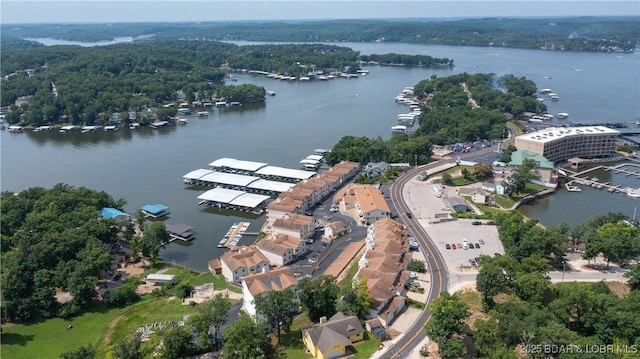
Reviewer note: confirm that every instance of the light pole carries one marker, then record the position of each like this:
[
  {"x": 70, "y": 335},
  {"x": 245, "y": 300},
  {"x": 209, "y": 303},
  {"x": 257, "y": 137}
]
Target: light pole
[
  {"x": 415, "y": 159},
  {"x": 564, "y": 263}
]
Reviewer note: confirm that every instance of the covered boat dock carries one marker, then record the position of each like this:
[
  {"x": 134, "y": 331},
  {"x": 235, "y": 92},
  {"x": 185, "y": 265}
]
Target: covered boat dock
[
  {"x": 155, "y": 210},
  {"x": 179, "y": 231},
  {"x": 205, "y": 177},
  {"x": 284, "y": 174},
  {"x": 232, "y": 165},
  {"x": 233, "y": 199}
]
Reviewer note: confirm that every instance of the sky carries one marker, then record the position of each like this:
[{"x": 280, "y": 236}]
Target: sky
[{"x": 115, "y": 11}]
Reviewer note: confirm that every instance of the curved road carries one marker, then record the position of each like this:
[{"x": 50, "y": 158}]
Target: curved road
[{"x": 435, "y": 263}]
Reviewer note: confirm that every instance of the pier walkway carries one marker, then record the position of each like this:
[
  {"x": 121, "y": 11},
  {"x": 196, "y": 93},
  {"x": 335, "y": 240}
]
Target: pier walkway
[{"x": 234, "y": 235}]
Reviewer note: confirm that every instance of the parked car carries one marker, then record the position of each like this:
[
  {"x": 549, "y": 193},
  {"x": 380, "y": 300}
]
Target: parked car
[
  {"x": 409, "y": 215},
  {"x": 490, "y": 223},
  {"x": 481, "y": 241},
  {"x": 477, "y": 245},
  {"x": 476, "y": 223},
  {"x": 453, "y": 246},
  {"x": 447, "y": 246}
]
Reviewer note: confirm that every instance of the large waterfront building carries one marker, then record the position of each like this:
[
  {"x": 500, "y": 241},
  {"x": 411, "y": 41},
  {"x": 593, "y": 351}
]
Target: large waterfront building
[{"x": 558, "y": 144}]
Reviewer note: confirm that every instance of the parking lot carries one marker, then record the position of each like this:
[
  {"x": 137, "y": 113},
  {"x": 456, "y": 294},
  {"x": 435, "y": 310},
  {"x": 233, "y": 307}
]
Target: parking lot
[{"x": 455, "y": 232}]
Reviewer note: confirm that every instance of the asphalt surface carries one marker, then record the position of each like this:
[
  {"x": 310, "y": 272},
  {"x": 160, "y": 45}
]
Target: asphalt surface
[{"x": 439, "y": 274}]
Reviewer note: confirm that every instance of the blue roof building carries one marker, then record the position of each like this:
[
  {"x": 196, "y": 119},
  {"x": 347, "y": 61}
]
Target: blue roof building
[
  {"x": 115, "y": 214},
  {"x": 155, "y": 210}
]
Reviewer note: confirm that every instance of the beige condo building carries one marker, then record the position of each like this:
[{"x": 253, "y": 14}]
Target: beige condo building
[{"x": 558, "y": 144}]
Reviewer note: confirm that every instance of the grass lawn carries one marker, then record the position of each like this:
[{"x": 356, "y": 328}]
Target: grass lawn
[
  {"x": 50, "y": 338},
  {"x": 101, "y": 327},
  {"x": 346, "y": 283},
  {"x": 504, "y": 201},
  {"x": 292, "y": 341},
  {"x": 366, "y": 348}
]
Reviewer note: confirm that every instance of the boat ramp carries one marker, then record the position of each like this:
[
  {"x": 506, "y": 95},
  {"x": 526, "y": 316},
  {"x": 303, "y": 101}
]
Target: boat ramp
[{"x": 234, "y": 235}]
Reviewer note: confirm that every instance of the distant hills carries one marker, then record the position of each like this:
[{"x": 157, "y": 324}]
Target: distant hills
[{"x": 594, "y": 34}]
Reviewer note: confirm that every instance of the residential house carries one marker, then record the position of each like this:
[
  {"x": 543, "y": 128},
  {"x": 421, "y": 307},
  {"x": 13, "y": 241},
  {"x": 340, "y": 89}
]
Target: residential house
[
  {"x": 115, "y": 118},
  {"x": 117, "y": 215},
  {"x": 281, "y": 249},
  {"x": 334, "y": 230},
  {"x": 373, "y": 169},
  {"x": 257, "y": 284},
  {"x": 243, "y": 261},
  {"x": 475, "y": 194},
  {"x": 295, "y": 225},
  {"x": 365, "y": 204},
  {"x": 497, "y": 188},
  {"x": 330, "y": 339}
]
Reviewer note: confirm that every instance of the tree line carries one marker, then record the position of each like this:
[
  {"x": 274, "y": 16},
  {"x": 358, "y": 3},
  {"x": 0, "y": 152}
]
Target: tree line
[
  {"x": 523, "y": 312},
  {"x": 594, "y": 34},
  {"x": 86, "y": 86},
  {"x": 447, "y": 118},
  {"x": 56, "y": 240}
]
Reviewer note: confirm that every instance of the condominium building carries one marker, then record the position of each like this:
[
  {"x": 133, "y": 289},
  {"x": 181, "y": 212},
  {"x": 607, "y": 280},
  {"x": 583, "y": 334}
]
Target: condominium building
[{"x": 558, "y": 144}]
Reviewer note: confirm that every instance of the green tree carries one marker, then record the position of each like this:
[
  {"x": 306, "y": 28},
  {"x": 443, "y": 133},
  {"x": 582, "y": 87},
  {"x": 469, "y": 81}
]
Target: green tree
[
  {"x": 356, "y": 301},
  {"x": 128, "y": 348},
  {"x": 448, "y": 315},
  {"x": 84, "y": 352},
  {"x": 152, "y": 239},
  {"x": 122, "y": 296},
  {"x": 491, "y": 280},
  {"x": 447, "y": 179},
  {"x": 183, "y": 290},
  {"x": 177, "y": 342},
  {"x": 319, "y": 296},
  {"x": 246, "y": 339},
  {"x": 418, "y": 266},
  {"x": 518, "y": 181},
  {"x": 277, "y": 307},
  {"x": 506, "y": 154},
  {"x": 212, "y": 313},
  {"x": 633, "y": 276}
]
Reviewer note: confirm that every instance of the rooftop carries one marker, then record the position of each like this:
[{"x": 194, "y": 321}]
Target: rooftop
[
  {"x": 555, "y": 133},
  {"x": 277, "y": 279},
  {"x": 233, "y": 197},
  {"x": 232, "y": 163},
  {"x": 285, "y": 172}
]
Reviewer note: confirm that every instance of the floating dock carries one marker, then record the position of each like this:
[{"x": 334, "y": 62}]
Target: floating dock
[
  {"x": 234, "y": 235},
  {"x": 180, "y": 232}
]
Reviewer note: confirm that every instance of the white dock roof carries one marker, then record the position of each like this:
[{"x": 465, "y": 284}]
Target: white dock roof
[
  {"x": 237, "y": 164},
  {"x": 233, "y": 197},
  {"x": 314, "y": 157},
  {"x": 160, "y": 277},
  {"x": 308, "y": 161},
  {"x": 285, "y": 172},
  {"x": 266, "y": 185},
  {"x": 197, "y": 174},
  {"x": 249, "y": 200},
  {"x": 228, "y": 178},
  {"x": 221, "y": 195}
]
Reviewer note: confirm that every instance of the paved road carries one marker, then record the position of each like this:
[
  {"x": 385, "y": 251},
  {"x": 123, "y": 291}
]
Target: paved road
[{"x": 439, "y": 274}]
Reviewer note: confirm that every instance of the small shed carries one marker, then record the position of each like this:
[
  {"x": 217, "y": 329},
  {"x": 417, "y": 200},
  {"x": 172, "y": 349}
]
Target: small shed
[
  {"x": 160, "y": 278},
  {"x": 458, "y": 204}
]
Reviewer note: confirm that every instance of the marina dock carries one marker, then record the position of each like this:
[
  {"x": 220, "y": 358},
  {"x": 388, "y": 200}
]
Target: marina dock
[
  {"x": 584, "y": 178},
  {"x": 234, "y": 235},
  {"x": 180, "y": 232}
]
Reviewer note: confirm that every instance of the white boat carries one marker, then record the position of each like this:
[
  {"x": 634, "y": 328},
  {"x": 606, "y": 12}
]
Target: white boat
[
  {"x": 271, "y": 93},
  {"x": 134, "y": 125},
  {"x": 90, "y": 129},
  {"x": 66, "y": 129},
  {"x": 43, "y": 129},
  {"x": 633, "y": 192},
  {"x": 562, "y": 115},
  {"x": 544, "y": 91},
  {"x": 203, "y": 113},
  {"x": 110, "y": 128},
  {"x": 16, "y": 129},
  {"x": 182, "y": 121},
  {"x": 399, "y": 129}
]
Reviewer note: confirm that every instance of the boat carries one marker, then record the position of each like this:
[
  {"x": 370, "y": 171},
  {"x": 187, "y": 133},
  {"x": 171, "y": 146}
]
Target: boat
[
  {"x": 91, "y": 129},
  {"x": 16, "y": 129},
  {"x": 562, "y": 115},
  {"x": 203, "y": 113},
  {"x": 43, "y": 129},
  {"x": 184, "y": 111},
  {"x": 67, "y": 129},
  {"x": 159, "y": 124},
  {"x": 399, "y": 129},
  {"x": 110, "y": 128},
  {"x": 633, "y": 192},
  {"x": 134, "y": 125},
  {"x": 544, "y": 91},
  {"x": 182, "y": 121},
  {"x": 271, "y": 93}
]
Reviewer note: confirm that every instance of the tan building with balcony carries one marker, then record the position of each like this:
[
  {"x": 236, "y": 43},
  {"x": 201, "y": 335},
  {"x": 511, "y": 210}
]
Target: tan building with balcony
[
  {"x": 243, "y": 261},
  {"x": 558, "y": 144},
  {"x": 281, "y": 249},
  {"x": 296, "y": 225},
  {"x": 364, "y": 203}
]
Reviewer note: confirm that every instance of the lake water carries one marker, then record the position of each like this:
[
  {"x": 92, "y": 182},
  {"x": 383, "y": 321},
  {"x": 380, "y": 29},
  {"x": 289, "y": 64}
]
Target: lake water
[{"x": 146, "y": 166}]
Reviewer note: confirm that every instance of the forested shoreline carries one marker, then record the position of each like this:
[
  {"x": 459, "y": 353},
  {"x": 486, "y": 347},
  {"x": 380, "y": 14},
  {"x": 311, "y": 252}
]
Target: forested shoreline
[{"x": 586, "y": 33}]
